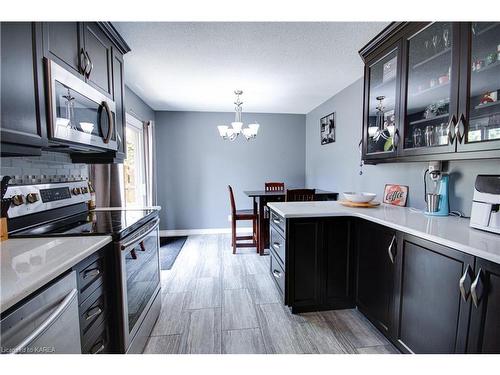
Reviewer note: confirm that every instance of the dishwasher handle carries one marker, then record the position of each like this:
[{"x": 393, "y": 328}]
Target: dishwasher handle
[{"x": 47, "y": 322}]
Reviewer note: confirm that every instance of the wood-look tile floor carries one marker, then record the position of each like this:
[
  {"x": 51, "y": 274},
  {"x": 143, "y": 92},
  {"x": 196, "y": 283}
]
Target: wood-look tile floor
[{"x": 217, "y": 302}]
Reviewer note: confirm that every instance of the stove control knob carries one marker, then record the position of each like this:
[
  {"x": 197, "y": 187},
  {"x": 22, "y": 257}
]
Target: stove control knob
[
  {"x": 17, "y": 200},
  {"x": 85, "y": 190},
  {"x": 76, "y": 191},
  {"x": 32, "y": 197}
]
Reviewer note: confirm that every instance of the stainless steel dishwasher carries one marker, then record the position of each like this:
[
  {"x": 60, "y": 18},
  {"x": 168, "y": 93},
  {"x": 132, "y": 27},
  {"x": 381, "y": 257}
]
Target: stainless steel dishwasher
[{"x": 48, "y": 322}]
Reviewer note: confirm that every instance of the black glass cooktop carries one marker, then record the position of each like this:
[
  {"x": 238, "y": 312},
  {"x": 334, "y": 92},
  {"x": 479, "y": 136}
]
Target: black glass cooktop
[{"x": 117, "y": 223}]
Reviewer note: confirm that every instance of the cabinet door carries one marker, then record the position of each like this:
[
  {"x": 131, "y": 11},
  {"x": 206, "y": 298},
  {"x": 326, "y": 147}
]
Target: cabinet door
[
  {"x": 479, "y": 120},
  {"x": 484, "y": 331},
  {"x": 430, "y": 88},
  {"x": 118, "y": 96},
  {"x": 98, "y": 49},
  {"x": 376, "y": 252},
  {"x": 381, "y": 108},
  {"x": 339, "y": 263},
  {"x": 22, "y": 100},
  {"x": 63, "y": 43},
  {"x": 432, "y": 316},
  {"x": 304, "y": 256}
]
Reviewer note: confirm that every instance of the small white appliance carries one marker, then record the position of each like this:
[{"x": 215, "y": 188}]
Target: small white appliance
[{"x": 485, "y": 213}]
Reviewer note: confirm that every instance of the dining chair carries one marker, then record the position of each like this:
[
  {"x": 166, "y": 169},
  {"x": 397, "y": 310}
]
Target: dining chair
[
  {"x": 300, "y": 195},
  {"x": 274, "y": 186},
  {"x": 242, "y": 215}
]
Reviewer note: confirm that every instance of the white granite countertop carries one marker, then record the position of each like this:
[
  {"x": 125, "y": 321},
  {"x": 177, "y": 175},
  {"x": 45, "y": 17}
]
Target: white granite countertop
[
  {"x": 449, "y": 231},
  {"x": 29, "y": 263}
]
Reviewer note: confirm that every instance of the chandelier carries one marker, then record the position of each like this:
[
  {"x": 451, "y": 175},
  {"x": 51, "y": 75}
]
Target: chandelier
[{"x": 232, "y": 132}]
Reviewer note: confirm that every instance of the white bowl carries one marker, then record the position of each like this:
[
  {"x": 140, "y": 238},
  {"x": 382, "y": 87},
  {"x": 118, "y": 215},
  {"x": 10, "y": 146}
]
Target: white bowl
[
  {"x": 359, "y": 197},
  {"x": 87, "y": 127}
]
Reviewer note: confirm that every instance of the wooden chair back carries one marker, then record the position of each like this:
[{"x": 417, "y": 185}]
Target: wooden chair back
[
  {"x": 300, "y": 195},
  {"x": 274, "y": 186},
  {"x": 231, "y": 197}
]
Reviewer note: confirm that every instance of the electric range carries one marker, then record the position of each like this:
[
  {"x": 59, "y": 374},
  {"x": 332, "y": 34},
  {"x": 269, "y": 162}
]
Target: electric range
[{"x": 55, "y": 209}]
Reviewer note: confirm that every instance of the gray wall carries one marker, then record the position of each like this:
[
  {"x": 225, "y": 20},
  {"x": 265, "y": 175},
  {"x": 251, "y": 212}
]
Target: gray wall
[
  {"x": 336, "y": 166},
  {"x": 195, "y": 165},
  {"x": 137, "y": 107}
]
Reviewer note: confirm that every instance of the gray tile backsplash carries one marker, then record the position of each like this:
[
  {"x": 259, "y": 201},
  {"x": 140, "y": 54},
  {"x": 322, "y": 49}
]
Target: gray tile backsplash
[{"x": 49, "y": 163}]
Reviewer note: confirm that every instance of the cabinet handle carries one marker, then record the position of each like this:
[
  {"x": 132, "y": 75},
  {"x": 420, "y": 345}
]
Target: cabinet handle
[
  {"x": 91, "y": 64},
  {"x": 93, "y": 313},
  {"x": 395, "y": 139},
  {"x": 276, "y": 221},
  {"x": 460, "y": 128},
  {"x": 276, "y": 245},
  {"x": 465, "y": 283},
  {"x": 451, "y": 129},
  {"x": 389, "y": 249},
  {"x": 100, "y": 347},
  {"x": 84, "y": 61},
  {"x": 277, "y": 274},
  {"x": 477, "y": 288},
  {"x": 91, "y": 273}
]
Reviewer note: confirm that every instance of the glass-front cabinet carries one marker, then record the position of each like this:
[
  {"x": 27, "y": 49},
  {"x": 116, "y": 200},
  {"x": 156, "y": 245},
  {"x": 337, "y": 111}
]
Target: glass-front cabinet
[
  {"x": 432, "y": 92},
  {"x": 382, "y": 111},
  {"x": 430, "y": 89},
  {"x": 479, "y": 123}
]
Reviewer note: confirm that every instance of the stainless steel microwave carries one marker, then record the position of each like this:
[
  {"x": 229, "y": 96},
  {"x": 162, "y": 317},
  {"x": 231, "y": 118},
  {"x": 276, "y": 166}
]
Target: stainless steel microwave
[{"x": 79, "y": 116}]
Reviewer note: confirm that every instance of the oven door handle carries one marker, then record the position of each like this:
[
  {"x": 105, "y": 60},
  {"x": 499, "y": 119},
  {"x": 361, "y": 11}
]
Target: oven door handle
[{"x": 141, "y": 237}]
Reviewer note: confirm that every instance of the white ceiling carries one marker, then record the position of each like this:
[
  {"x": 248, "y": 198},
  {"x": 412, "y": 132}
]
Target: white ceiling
[{"x": 282, "y": 67}]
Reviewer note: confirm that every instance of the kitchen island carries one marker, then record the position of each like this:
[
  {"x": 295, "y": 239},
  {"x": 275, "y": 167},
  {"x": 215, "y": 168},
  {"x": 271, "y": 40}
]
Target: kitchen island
[{"x": 430, "y": 284}]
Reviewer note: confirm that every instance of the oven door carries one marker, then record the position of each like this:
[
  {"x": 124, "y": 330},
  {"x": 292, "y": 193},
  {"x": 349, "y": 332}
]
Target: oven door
[
  {"x": 79, "y": 115},
  {"x": 140, "y": 277}
]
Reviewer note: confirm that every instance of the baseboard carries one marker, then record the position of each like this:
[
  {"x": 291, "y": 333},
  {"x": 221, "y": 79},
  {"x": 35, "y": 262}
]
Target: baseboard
[{"x": 189, "y": 232}]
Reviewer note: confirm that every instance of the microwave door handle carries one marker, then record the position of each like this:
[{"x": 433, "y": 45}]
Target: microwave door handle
[
  {"x": 140, "y": 238},
  {"x": 47, "y": 322},
  {"x": 110, "y": 122}
]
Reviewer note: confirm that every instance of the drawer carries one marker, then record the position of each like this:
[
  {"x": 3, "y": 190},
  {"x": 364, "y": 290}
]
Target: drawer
[
  {"x": 93, "y": 309},
  {"x": 90, "y": 277},
  {"x": 277, "y": 244},
  {"x": 100, "y": 343},
  {"x": 278, "y": 274},
  {"x": 277, "y": 221}
]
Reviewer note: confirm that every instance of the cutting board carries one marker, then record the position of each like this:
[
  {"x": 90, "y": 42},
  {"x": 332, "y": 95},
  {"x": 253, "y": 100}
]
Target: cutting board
[{"x": 355, "y": 204}]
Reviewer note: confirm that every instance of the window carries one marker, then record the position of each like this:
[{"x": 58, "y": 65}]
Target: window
[{"x": 134, "y": 167}]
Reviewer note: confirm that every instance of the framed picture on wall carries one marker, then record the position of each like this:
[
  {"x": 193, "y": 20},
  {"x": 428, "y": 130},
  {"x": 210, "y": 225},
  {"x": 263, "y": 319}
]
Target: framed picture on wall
[{"x": 327, "y": 128}]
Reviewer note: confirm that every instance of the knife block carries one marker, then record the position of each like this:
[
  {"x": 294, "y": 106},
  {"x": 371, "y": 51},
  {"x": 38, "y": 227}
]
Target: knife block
[{"x": 3, "y": 229}]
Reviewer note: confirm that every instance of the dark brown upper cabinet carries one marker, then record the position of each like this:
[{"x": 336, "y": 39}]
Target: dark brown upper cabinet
[
  {"x": 23, "y": 127},
  {"x": 63, "y": 43},
  {"x": 99, "y": 55},
  {"x": 432, "y": 92}
]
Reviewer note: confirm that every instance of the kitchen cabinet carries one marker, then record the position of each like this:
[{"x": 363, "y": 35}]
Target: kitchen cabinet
[
  {"x": 312, "y": 262},
  {"x": 98, "y": 50},
  {"x": 23, "y": 127},
  {"x": 432, "y": 92},
  {"x": 95, "y": 300},
  {"x": 376, "y": 270},
  {"x": 63, "y": 42},
  {"x": 432, "y": 316},
  {"x": 484, "y": 330}
]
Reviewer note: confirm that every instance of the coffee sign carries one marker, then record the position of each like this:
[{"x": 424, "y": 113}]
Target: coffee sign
[{"x": 395, "y": 194}]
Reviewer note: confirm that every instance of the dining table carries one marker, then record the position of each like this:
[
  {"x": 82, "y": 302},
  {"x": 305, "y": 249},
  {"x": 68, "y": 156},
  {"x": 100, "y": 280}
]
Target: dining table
[{"x": 260, "y": 200}]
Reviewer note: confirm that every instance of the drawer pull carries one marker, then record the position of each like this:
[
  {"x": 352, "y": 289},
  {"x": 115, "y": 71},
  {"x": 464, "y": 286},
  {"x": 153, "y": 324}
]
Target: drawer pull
[
  {"x": 276, "y": 245},
  {"x": 97, "y": 348},
  {"x": 276, "y": 221},
  {"x": 277, "y": 274},
  {"x": 91, "y": 273},
  {"x": 93, "y": 313}
]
